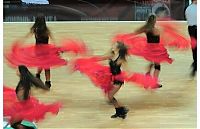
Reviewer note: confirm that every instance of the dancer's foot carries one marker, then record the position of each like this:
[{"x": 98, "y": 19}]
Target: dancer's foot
[
  {"x": 37, "y": 76},
  {"x": 121, "y": 112},
  {"x": 48, "y": 83},
  {"x": 159, "y": 85}
]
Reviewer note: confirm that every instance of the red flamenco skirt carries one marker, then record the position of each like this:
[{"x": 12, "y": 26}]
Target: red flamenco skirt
[
  {"x": 43, "y": 56},
  {"x": 99, "y": 75},
  {"x": 156, "y": 53},
  {"x": 30, "y": 110}
]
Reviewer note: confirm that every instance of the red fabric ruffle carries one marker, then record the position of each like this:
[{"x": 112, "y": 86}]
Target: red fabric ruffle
[
  {"x": 145, "y": 81},
  {"x": 43, "y": 56},
  {"x": 31, "y": 109},
  {"x": 172, "y": 37},
  {"x": 74, "y": 46},
  {"x": 97, "y": 73}
]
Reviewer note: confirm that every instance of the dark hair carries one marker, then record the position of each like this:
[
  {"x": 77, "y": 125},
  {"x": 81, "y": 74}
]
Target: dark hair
[
  {"x": 123, "y": 50},
  {"x": 39, "y": 28},
  {"x": 150, "y": 22},
  {"x": 27, "y": 80}
]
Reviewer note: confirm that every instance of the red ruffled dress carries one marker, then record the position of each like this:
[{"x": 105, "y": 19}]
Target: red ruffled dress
[
  {"x": 154, "y": 51},
  {"x": 152, "y": 47}
]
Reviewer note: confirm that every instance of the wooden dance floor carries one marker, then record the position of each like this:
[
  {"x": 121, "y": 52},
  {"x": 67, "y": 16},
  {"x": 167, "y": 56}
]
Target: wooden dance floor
[{"x": 84, "y": 105}]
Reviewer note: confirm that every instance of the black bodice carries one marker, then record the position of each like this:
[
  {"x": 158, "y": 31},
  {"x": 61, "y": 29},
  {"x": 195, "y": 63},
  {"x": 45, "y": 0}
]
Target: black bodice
[
  {"x": 41, "y": 37},
  {"x": 114, "y": 67},
  {"x": 151, "y": 38},
  {"x": 42, "y": 40}
]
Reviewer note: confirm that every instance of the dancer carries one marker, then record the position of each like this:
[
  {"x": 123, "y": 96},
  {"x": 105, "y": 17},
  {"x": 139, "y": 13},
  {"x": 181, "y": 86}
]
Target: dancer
[
  {"x": 191, "y": 16},
  {"x": 110, "y": 79},
  {"x": 153, "y": 51},
  {"x": 19, "y": 105},
  {"x": 42, "y": 34},
  {"x": 117, "y": 59}
]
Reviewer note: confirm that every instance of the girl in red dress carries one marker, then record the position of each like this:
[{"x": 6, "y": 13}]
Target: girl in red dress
[
  {"x": 153, "y": 51},
  {"x": 42, "y": 34},
  {"x": 117, "y": 59}
]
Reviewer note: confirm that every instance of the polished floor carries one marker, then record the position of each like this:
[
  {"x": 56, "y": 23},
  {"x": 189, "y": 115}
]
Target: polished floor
[{"x": 84, "y": 106}]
